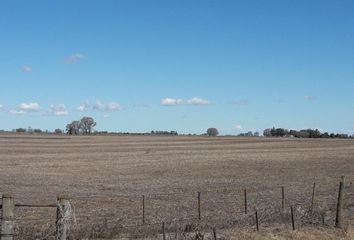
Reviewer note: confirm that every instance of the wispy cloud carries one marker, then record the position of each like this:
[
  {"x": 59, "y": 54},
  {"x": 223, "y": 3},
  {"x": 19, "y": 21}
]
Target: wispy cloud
[
  {"x": 74, "y": 58},
  {"x": 58, "y": 110},
  {"x": 84, "y": 107},
  {"x": 238, "y": 127},
  {"x": 177, "y": 101},
  {"x": 29, "y": 106},
  {"x": 171, "y": 102},
  {"x": 26, "y": 69},
  {"x": 198, "y": 101},
  {"x": 310, "y": 98},
  {"x": 16, "y": 112},
  {"x": 99, "y": 106},
  {"x": 109, "y": 107}
]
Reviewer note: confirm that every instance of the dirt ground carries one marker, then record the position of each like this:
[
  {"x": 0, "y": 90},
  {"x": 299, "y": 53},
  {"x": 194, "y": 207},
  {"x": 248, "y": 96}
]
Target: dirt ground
[{"x": 105, "y": 177}]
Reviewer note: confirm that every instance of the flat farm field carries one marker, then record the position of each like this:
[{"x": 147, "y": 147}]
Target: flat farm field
[{"x": 105, "y": 178}]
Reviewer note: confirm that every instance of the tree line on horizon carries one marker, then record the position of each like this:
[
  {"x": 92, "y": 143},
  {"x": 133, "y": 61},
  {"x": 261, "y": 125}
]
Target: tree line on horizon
[
  {"x": 305, "y": 133},
  {"x": 85, "y": 126}
]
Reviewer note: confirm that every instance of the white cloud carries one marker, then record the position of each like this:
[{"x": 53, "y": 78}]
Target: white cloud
[
  {"x": 74, "y": 58},
  {"x": 1, "y": 106},
  {"x": 238, "y": 127},
  {"x": 171, "y": 102},
  {"x": 83, "y": 108},
  {"x": 106, "y": 116},
  {"x": 59, "y": 110},
  {"x": 178, "y": 101},
  {"x": 26, "y": 69},
  {"x": 16, "y": 112},
  {"x": 29, "y": 106},
  {"x": 112, "y": 106},
  {"x": 198, "y": 101}
]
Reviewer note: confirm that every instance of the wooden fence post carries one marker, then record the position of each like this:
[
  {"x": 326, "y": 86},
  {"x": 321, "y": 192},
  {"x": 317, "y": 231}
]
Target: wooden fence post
[
  {"x": 199, "y": 214},
  {"x": 7, "y": 218},
  {"x": 214, "y": 233},
  {"x": 282, "y": 197},
  {"x": 313, "y": 197},
  {"x": 163, "y": 231},
  {"x": 245, "y": 196},
  {"x": 292, "y": 218},
  {"x": 63, "y": 216},
  {"x": 143, "y": 210},
  {"x": 257, "y": 223},
  {"x": 339, "y": 212}
]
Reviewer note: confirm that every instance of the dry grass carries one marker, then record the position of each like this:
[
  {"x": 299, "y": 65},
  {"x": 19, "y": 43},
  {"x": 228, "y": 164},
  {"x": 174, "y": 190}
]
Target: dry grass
[{"x": 106, "y": 175}]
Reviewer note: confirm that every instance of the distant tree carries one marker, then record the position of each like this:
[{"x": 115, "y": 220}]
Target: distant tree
[
  {"x": 73, "y": 128},
  {"x": 37, "y": 130},
  {"x": 20, "y": 130},
  {"x": 30, "y": 129},
  {"x": 304, "y": 134},
  {"x": 212, "y": 132},
  {"x": 58, "y": 131},
  {"x": 267, "y": 132},
  {"x": 325, "y": 135},
  {"x": 87, "y": 125}
]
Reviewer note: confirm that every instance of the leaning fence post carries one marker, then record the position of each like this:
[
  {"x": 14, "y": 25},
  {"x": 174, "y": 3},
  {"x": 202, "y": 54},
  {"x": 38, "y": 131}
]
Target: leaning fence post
[
  {"x": 7, "y": 218},
  {"x": 63, "y": 215},
  {"x": 339, "y": 213}
]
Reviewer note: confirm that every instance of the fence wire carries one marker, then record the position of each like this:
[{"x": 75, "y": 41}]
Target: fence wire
[{"x": 225, "y": 207}]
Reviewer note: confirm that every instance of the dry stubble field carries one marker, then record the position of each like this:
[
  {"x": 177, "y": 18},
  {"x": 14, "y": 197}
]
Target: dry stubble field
[{"x": 105, "y": 177}]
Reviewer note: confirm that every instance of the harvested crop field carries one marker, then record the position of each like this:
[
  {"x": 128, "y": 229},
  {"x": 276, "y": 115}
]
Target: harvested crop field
[{"x": 105, "y": 178}]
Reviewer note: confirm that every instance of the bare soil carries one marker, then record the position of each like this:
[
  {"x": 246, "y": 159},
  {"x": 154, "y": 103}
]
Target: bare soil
[{"x": 105, "y": 177}]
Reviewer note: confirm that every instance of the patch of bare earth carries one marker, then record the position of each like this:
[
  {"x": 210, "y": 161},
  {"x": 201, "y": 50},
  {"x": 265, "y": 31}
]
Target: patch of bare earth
[{"x": 106, "y": 176}]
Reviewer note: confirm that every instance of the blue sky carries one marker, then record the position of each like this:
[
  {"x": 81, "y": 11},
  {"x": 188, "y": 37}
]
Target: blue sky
[{"x": 185, "y": 65}]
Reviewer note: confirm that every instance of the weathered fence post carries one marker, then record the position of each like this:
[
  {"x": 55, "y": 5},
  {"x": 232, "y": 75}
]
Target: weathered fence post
[
  {"x": 199, "y": 214},
  {"x": 292, "y": 217},
  {"x": 313, "y": 197},
  {"x": 282, "y": 197},
  {"x": 7, "y": 218},
  {"x": 163, "y": 231},
  {"x": 257, "y": 223},
  {"x": 214, "y": 233},
  {"x": 63, "y": 216},
  {"x": 339, "y": 213},
  {"x": 245, "y": 196},
  {"x": 143, "y": 210}
]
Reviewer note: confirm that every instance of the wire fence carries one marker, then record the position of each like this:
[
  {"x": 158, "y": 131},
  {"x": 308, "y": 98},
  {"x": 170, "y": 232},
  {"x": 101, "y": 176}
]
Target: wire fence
[{"x": 114, "y": 214}]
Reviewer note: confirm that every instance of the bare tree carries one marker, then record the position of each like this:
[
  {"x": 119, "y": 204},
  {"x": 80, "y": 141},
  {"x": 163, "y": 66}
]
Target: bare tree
[
  {"x": 87, "y": 125},
  {"x": 73, "y": 128},
  {"x": 212, "y": 132}
]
